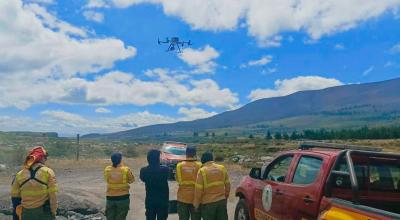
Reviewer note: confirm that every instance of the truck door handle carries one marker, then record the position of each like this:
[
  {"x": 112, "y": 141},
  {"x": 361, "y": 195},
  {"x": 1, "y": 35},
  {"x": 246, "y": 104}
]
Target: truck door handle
[
  {"x": 278, "y": 192},
  {"x": 308, "y": 199}
]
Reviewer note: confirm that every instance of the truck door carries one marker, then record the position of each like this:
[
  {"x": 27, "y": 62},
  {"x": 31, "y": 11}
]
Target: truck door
[
  {"x": 304, "y": 191},
  {"x": 268, "y": 198}
]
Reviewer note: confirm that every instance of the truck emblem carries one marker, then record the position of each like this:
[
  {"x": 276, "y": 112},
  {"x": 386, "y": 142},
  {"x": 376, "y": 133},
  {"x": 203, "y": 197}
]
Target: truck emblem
[{"x": 267, "y": 197}]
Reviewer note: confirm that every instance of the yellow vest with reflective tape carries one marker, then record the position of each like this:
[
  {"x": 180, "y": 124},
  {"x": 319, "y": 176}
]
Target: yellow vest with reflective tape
[
  {"x": 33, "y": 188},
  {"x": 116, "y": 177},
  {"x": 186, "y": 172},
  {"x": 212, "y": 184},
  {"x": 213, "y": 175}
]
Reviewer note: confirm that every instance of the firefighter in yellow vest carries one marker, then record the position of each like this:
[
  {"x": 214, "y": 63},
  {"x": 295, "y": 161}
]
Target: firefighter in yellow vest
[
  {"x": 118, "y": 177},
  {"x": 186, "y": 173},
  {"x": 212, "y": 189},
  {"x": 36, "y": 186}
]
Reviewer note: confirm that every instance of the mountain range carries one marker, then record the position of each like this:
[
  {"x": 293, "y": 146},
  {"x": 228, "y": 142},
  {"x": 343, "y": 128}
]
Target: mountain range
[{"x": 352, "y": 105}]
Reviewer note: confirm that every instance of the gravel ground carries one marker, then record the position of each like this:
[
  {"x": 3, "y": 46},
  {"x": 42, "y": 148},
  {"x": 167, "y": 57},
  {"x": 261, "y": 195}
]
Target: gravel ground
[{"x": 82, "y": 189}]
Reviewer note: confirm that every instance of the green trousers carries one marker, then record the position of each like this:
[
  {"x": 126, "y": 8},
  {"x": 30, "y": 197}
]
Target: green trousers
[
  {"x": 215, "y": 211},
  {"x": 186, "y": 212},
  {"x": 37, "y": 214},
  {"x": 117, "y": 210}
]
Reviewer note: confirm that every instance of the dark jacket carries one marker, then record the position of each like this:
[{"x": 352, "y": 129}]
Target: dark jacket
[{"x": 155, "y": 178}]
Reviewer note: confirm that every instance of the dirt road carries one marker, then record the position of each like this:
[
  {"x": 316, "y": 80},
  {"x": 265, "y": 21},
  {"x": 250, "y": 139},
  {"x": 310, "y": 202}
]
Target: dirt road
[{"x": 82, "y": 188}]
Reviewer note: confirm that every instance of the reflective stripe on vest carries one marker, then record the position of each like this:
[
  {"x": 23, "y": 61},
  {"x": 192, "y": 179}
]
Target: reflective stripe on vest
[
  {"x": 179, "y": 175},
  {"x": 39, "y": 192},
  {"x": 215, "y": 183},
  {"x": 123, "y": 185}
]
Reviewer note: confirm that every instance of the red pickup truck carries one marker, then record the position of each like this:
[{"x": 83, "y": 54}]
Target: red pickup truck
[{"x": 323, "y": 181}]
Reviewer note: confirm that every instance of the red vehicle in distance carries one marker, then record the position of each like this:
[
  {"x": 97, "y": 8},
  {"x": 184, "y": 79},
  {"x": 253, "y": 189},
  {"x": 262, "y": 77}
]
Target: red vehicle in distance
[
  {"x": 171, "y": 154},
  {"x": 323, "y": 181}
]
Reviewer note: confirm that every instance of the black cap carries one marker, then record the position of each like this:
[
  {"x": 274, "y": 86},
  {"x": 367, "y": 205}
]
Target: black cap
[
  {"x": 191, "y": 151},
  {"x": 116, "y": 159},
  {"x": 206, "y": 157}
]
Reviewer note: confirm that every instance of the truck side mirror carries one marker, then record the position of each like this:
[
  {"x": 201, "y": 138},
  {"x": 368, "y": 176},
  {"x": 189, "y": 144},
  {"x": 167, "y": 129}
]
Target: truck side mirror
[{"x": 255, "y": 173}]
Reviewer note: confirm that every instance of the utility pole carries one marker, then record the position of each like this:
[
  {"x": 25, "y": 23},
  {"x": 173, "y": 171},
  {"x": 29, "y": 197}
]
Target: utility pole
[{"x": 77, "y": 147}]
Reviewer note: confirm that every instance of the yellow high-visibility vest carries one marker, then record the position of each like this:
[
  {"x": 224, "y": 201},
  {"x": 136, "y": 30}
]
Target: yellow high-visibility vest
[
  {"x": 186, "y": 172},
  {"x": 116, "y": 178},
  {"x": 213, "y": 176},
  {"x": 34, "y": 183}
]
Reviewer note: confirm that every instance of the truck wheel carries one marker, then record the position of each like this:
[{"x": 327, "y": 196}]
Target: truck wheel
[{"x": 242, "y": 211}]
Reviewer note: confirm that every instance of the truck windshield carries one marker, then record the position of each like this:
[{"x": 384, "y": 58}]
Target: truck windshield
[{"x": 174, "y": 150}]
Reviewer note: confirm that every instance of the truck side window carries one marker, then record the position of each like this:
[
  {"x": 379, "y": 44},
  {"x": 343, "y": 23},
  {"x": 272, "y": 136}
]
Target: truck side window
[
  {"x": 278, "y": 169},
  {"x": 371, "y": 175},
  {"x": 307, "y": 170}
]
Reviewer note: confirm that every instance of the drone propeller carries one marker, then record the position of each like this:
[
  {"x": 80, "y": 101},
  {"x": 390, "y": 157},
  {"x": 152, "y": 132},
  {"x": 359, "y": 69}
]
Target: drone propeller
[{"x": 158, "y": 40}]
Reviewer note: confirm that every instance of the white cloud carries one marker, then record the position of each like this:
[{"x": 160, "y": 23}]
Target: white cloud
[
  {"x": 102, "y": 110},
  {"x": 273, "y": 41},
  {"x": 190, "y": 114},
  {"x": 395, "y": 49},
  {"x": 43, "y": 57},
  {"x": 67, "y": 123},
  {"x": 260, "y": 62},
  {"x": 339, "y": 47},
  {"x": 70, "y": 123},
  {"x": 368, "y": 71},
  {"x": 41, "y": 1},
  {"x": 266, "y": 19},
  {"x": 50, "y": 21},
  {"x": 94, "y": 16},
  {"x": 116, "y": 88},
  {"x": 35, "y": 44},
  {"x": 64, "y": 116},
  {"x": 97, "y": 4},
  {"x": 202, "y": 59},
  {"x": 317, "y": 18},
  {"x": 289, "y": 86},
  {"x": 123, "y": 88},
  {"x": 389, "y": 64},
  {"x": 264, "y": 60},
  {"x": 113, "y": 3}
]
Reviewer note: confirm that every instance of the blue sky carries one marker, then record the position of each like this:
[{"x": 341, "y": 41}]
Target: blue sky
[{"x": 95, "y": 66}]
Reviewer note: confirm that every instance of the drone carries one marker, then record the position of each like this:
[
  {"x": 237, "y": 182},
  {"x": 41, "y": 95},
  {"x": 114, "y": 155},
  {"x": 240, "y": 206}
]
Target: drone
[{"x": 175, "y": 44}]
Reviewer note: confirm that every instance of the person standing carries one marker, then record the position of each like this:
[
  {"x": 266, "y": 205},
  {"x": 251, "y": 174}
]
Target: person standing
[
  {"x": 155, "y": 178},
  {"x": 212, "y": 189},
  {"x": 35, "y": 187},
  {"x": 118, "y": 177},
  {"x": 186, "y": 173}
]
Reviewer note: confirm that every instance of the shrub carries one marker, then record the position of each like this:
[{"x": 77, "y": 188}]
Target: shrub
[
  {"x": 108, "y": 152},
  {"x": 219, "y": 157},
  {"x": 131, "y": 152}
]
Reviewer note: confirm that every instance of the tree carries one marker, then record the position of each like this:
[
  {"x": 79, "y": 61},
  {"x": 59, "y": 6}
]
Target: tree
[
  {"x": 195, "y": 134},
  {"x": 251, "y": 136},
  {"x": 278, "y": 136},
  {"x": 268, "y": 136},
  {"x": 286, "y": 136},
  {"x": 213, "y": 134},
  {"x": 226, "y": 134},
  {"x": 207, "y": 134},
  {"x": 294, "y": 136}
]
